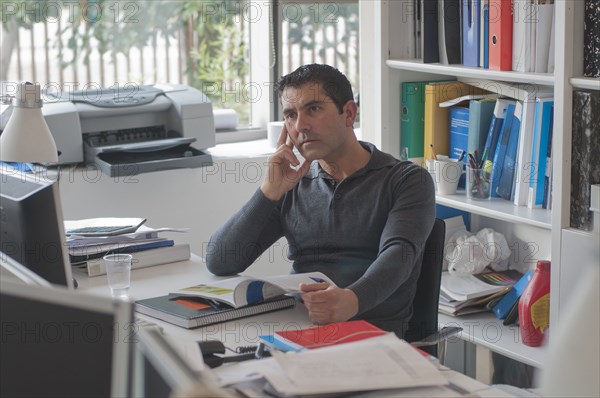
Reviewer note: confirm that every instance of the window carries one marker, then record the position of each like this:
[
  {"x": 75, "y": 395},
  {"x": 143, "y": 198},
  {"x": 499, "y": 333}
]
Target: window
[
  {"x": 320, "y": 31},
  {"x": 222, "y": 47},
  {"x": 77, "y": 45}
]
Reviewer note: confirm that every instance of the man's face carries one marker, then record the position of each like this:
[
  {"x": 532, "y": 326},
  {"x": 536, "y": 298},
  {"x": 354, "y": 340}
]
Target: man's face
[{"x": 313, "y": 122}]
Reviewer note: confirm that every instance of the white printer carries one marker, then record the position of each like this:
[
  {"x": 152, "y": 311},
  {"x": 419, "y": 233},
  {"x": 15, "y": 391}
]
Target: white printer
[{"x": 132, "y": 129}]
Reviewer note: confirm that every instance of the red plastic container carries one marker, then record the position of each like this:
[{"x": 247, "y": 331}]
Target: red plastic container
[{"x": 534, "y": 306}]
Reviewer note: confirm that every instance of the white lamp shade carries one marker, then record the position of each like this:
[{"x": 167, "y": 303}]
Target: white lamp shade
[{"x": 26, "y": 137}]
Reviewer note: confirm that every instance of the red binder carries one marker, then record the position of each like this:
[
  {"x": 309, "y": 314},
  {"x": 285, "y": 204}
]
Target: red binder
[{"x": 500, "y": 34}]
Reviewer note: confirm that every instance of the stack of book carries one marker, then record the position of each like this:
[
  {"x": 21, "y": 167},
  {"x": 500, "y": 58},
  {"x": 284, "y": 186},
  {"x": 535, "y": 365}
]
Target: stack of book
[
  {"x": 91, "y": 239},
  {"x": 467, "y": 294}
]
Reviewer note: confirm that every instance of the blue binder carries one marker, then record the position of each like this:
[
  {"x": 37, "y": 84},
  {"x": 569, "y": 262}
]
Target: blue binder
[
  {"x": 505, "y": 186},
  {"x": 498, "y": 161},
  {"x": 471, "y": 15}
]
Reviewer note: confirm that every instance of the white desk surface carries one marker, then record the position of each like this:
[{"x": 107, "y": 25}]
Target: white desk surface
[
  {"x": 159, "y": 280},
  {"x": 163, "y": 279}
]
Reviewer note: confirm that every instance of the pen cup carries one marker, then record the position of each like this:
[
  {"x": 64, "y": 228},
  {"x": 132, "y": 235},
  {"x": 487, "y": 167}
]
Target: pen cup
[
  {"x": 118, "y": 273},
  {"x": 446, "y": 174},
  {"x": 478, "y": 184}
]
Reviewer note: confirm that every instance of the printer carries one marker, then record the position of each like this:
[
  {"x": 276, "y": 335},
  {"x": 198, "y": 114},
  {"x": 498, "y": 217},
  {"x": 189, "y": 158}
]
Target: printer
[{"x": 133, "y": 129}]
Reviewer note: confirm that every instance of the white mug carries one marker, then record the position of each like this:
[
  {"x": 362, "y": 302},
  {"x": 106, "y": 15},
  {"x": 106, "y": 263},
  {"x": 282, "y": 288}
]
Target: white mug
[{"x": 446, "y": 173}]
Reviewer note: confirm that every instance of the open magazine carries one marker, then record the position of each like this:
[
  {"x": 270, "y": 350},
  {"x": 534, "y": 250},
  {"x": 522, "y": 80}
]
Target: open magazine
[{"x": 243, "y": 290}]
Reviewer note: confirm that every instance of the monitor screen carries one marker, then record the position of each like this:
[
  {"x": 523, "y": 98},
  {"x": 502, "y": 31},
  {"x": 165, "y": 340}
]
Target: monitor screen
[
  {"x": 9, "y": 268},
  {"x": 161, "y": 372},
  {"x": 60, "y": 343},
  {"x": 31, "y": 225}
]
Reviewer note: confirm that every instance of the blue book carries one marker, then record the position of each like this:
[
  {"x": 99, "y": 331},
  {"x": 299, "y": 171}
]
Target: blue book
[
  {"x": 506, "y": 184},
  {"x": 494, "y": 130},
  {"x": 500, "y": 152},
  {"x": 485, "y": 34},
  {"x": 536, "y": 184},
  {"x": 480, "y": 117},
  {"x": 93, "y": 252},
  {"x": 459, "y": 131},
  {"x": 505, "y": 304},
  {"x": 548, "y": 175},
  {"x": 471, "y": 15}
]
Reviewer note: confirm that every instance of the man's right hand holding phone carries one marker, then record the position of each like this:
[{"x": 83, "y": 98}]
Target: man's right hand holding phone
[{"x": 281, "y": 177}]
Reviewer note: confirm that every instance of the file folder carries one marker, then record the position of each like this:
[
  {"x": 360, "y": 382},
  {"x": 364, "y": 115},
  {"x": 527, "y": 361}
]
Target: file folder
[{"x": 501, "y": 29}]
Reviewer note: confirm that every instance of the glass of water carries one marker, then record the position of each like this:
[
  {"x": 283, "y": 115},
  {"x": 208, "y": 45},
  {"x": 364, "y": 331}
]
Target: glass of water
[{"x": 118, "y": 272}]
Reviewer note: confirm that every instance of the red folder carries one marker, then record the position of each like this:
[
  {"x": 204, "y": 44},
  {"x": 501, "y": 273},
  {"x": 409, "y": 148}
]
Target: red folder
[{"x": 500, "y": 34}]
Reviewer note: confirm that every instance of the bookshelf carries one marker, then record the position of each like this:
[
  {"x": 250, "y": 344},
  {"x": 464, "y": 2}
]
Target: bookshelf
[{"x": 384, "y": 24}]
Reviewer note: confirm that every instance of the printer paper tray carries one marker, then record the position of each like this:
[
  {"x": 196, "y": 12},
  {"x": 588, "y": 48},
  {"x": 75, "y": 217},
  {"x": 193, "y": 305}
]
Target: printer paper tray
[{"x": 121, "y": 164}]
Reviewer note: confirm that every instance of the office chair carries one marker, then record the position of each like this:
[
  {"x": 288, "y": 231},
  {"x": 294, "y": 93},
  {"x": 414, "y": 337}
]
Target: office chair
[{"x": 422, "y": 330}]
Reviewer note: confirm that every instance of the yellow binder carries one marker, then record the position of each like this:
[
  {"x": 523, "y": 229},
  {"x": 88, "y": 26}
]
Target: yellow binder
[{"x": 437, "y": 120}]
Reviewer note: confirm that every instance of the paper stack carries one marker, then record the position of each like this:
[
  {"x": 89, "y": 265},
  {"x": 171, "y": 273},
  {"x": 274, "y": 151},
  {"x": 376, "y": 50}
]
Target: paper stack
[
  {"x": 465, "y": 294},
  {"x": 91, "y": 239}
]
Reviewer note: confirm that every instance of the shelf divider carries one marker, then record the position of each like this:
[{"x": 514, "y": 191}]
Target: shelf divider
[
  {"x": 498, "y": 208},
  {"x": 417, "y": 65}
]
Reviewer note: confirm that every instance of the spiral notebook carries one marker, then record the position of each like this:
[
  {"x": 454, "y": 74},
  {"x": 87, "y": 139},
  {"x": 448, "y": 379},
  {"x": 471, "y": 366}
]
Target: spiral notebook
[{"x": 194, "y": 312}]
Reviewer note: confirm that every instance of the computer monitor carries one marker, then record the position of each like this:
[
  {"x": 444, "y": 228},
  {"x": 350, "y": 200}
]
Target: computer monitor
[
  {"x": 159, "y": 371},
  {"x": 31, "y": 225},
  {"x": 9, "y": 268},
  {"x": 61, "y": 343}
]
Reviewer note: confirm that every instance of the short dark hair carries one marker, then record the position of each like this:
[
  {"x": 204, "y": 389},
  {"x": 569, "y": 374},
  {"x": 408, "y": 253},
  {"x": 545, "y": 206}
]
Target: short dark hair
[{"x": 334, "y": 83}]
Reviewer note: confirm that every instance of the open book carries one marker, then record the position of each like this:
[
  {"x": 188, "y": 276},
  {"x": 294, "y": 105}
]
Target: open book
[
  {"x": 244, "y": 290},
  {"x": 468, "y": 287}
]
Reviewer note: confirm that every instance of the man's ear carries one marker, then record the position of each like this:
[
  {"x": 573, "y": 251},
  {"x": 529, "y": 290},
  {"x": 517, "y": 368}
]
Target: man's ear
[{"x": 350, "y": 111}]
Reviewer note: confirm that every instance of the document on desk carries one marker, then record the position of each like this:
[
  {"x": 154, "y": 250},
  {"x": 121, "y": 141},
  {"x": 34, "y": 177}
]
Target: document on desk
[{"x": 378, "y": 363}]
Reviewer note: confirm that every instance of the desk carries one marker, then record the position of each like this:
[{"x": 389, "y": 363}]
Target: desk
[
  {"x": 159, "y": 280},
  {"x": 162, "y": 279}
]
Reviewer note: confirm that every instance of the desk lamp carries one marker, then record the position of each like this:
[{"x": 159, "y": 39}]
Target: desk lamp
[{"x": 26, "y": 137}]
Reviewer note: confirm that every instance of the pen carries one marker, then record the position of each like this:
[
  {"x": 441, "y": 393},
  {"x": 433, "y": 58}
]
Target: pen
[
  {"x": 483, "y": 157},
  {"x": 476, "y": 156},
  {"x": 317, "y": 280},
  {"x": 472, "y": 161},
  {"x": 462, "y": 156},
  {"x": 433, "y": 152}
]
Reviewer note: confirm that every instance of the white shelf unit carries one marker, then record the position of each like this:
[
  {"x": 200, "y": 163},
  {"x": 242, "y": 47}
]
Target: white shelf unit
[
  {"x": 384, "y": 67},
  {"x": 488, "y": 331}
]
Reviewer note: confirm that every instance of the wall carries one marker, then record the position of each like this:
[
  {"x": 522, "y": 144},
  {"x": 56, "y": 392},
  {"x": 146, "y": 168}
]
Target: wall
[{"x": 201, "y": 199}]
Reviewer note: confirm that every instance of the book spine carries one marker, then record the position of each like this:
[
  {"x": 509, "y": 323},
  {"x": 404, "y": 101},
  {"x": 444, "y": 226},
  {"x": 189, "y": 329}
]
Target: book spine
[
  {"x": 121, "y": 250},
  {"x": 506, "y": 184},
  {"x": 412, "y": 118},
  {"x": 501, "y": 30},
  {"x": 146, "y": 258},
  {"x": 498, "y": 162},
  {"x": 430, "y": 32}
]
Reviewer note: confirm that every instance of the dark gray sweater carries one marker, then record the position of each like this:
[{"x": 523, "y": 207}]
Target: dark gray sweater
[{"x": 366, "y": 233}]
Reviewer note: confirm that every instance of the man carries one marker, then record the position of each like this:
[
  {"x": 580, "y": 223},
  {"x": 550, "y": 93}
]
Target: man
[{"x": 348, "y": 210}]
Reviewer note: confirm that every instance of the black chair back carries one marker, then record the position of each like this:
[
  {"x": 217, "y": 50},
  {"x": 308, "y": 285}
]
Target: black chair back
[{"x": 424, "y": 321}]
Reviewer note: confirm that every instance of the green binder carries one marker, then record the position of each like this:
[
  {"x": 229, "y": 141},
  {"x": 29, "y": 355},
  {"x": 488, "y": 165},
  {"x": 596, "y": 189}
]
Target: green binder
[{"x": 412, "y": 118}]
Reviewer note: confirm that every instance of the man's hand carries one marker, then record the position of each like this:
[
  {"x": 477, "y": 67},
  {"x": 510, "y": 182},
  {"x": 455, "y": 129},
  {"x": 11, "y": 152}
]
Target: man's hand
[
  {"x": 280, "y": 175},
  {"x": 327, "y": 304}
]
